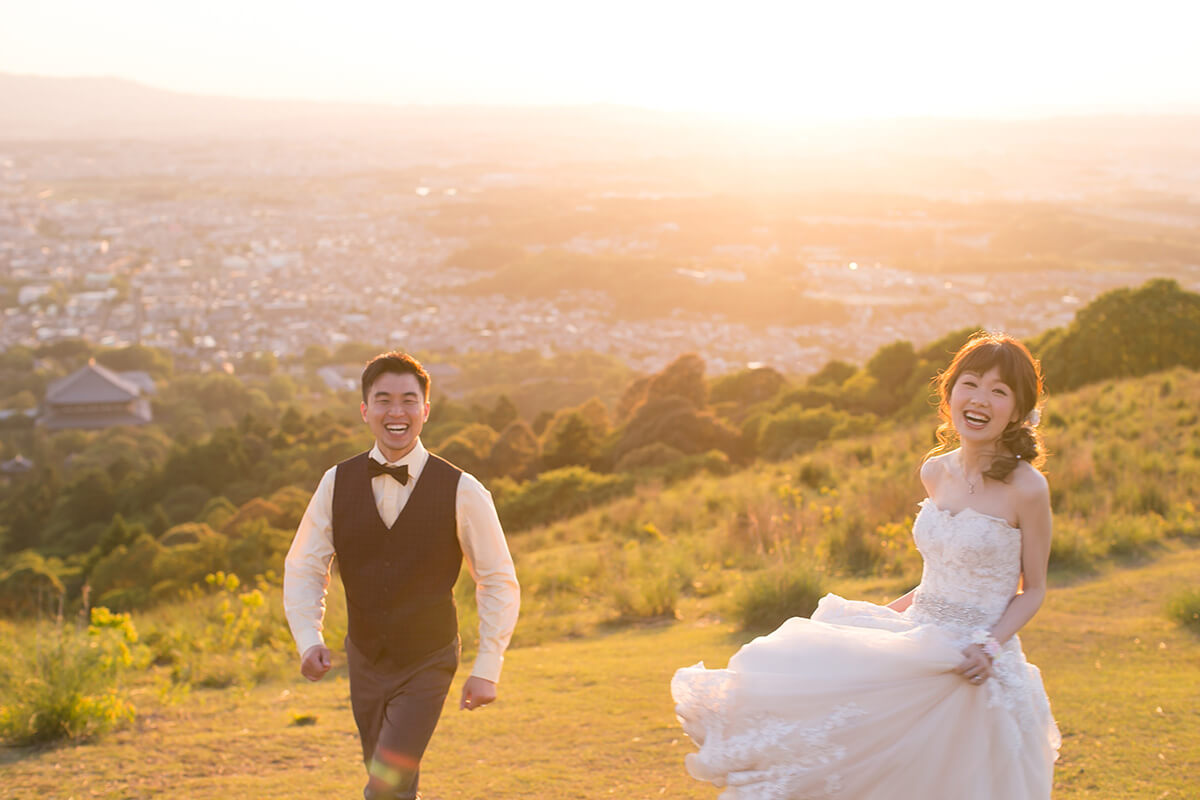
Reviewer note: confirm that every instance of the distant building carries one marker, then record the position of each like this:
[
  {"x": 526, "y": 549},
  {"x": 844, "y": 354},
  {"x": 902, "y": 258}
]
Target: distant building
[
  {"x": 15, "y": 466},
  {"x": 96, "y": 397}
]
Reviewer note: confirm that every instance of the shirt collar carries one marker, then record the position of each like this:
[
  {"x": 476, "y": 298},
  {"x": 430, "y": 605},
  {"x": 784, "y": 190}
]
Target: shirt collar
[{"x": 415, "y": 459}]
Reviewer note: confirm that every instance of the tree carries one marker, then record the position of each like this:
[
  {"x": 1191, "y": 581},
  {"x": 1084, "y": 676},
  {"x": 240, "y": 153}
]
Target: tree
[
  {"x": 541, "y": 421},
  {"x": 261, "y": 362},
  {"x": 86, "y": 499},
  {"x": 157, "y": 363},
  {"x": 1124, "y": 333},
  {"x": 516, "y": 452},
  {"x": 292, "y": 422},
  {"x": 502, "y": 414},
  {"x": 20, "y": 401},
  {"x": 281, "y": 388},
  {"x": 675, "y": 421},
  {"x": 570, "y": 441},
  {"x": 683, "y": 377},
  {"x": 70, "y": 350},
  {"x": 892, "y": 364},
  {"x": 834, "y": 372},
  {"x": 463, "y": 454},
  {"x": 316, "y": 356},
  {"x": 30, "y": 583},
  {"x": 747, "y": 387},
  {"x": 355, "y": 353}
]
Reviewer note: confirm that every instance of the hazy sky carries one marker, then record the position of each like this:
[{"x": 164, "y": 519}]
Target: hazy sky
[{"x": 833, "y": 58}]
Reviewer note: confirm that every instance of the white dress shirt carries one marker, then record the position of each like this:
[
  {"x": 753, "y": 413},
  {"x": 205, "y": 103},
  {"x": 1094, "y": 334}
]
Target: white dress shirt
[{"x": 485, "y": 552}]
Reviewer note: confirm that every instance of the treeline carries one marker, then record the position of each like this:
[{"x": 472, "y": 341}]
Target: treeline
[{"x": 136, "y": 514}]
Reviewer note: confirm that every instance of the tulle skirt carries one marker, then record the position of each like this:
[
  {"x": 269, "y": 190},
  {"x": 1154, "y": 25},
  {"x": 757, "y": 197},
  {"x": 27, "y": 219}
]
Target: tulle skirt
[{"x": 862, "y": 702}]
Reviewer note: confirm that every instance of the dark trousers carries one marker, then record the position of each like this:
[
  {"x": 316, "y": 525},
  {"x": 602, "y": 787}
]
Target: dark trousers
[{"x": 396, "y": 708}]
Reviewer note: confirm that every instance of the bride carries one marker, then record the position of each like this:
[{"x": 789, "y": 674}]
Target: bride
[{"x": 930, "y": 696}]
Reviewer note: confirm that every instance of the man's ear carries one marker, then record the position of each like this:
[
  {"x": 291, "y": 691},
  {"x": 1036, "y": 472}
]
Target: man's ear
[{"x": 362, "y": 409}]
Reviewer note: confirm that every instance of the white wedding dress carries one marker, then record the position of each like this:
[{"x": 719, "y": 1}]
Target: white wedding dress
[{"x": 862, "y": 701}]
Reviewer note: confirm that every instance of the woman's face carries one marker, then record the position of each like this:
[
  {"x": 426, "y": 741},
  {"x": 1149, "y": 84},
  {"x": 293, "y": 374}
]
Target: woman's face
[{"x": 982, "y": 406}]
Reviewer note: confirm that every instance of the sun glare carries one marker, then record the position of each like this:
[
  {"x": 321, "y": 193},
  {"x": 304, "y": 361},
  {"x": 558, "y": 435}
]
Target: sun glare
[{"x": 768, "y": 59}]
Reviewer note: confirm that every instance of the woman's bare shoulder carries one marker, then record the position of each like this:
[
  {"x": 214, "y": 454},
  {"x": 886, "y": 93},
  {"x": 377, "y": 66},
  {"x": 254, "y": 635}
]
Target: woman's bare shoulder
[
  {"x": 1030, "y": 487},
  {"x": 933, "y": 468}
]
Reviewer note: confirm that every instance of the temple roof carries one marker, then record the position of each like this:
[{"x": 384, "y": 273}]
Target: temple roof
[
  {"x": 90, "y": 384},
  {"x": 137, "y": 414}
]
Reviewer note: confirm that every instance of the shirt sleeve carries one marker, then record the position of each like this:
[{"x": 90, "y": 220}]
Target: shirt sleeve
[
  {"x": 306, "y": 570},
  {"x": 497, "y": 593}
]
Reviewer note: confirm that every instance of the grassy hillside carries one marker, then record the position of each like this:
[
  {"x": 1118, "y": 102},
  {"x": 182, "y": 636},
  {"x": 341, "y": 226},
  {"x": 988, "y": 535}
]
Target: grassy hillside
[
  {"x": 593, "y": 718},
  {"x": 1124, "y": 470},
  {"x": 618, "y": 597}
]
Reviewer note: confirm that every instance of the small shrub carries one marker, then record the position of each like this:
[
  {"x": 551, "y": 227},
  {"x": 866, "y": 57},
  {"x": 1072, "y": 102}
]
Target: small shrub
[
  {"x": 1184, "y": 608},
  {"x": 1183, "y": 522},
  {"x": 239, "y": 639},
  {"x": 1070, "y": 550},
  {"x": 556, "y": 494},
  {"x": 776, "y": 594},
  {"x": 651, "y": 456},
  {"x": 852, "y": 548},
  {"x": 815, "y": 474},
  {"x": 68, "y": 685},
  {"x": 1128, "y": 537},
  {"x": 647, "y": 596},
  {"x": 648, "y": 581}
]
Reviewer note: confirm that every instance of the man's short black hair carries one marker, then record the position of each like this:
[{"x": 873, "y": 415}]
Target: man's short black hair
[{"x": 398, "y": 363}]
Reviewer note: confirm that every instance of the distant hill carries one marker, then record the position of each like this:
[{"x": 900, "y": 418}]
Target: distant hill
[
  {"x": 63, "y": 109},
  {"x": 51, "y": 108}
]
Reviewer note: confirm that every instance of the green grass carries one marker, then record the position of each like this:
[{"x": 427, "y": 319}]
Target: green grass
[
  {"x": 1184, "y": 608},
  {"x": 616, "y": 598},
  {"x": 593, "y": 718}
]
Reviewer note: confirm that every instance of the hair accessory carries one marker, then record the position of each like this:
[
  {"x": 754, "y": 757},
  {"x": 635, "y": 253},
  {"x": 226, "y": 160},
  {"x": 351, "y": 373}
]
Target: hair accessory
[{"x": 1034, "y": 417}]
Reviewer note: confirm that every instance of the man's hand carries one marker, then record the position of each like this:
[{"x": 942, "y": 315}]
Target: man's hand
[
  {"x": 477, "y": 692},
  {"x": 315, "y": 662}
]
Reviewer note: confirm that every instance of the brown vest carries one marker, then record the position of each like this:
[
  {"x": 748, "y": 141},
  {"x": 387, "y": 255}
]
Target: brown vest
[{"x": 399, "y": 581}]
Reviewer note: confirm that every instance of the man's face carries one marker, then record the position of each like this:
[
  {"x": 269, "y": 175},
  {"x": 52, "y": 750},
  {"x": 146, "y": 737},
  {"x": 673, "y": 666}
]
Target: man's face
[{"x": 395, "y": 410}]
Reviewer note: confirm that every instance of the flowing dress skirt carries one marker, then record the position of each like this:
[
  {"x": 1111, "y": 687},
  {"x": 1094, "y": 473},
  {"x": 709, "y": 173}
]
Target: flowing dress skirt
[{"x": 862, "y": 702}]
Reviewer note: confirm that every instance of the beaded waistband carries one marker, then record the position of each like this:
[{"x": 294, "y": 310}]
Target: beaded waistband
[{"x": 946, "y": 611}]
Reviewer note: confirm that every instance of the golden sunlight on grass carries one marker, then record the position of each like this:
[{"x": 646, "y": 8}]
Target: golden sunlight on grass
[{"x": 593, "y": 718}]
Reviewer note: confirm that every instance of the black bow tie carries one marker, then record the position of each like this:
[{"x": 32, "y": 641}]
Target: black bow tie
[{"x": 400, "y": 473}]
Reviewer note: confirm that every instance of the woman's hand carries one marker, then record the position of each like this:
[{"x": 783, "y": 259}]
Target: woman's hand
[{"x": 976, "y": 666}]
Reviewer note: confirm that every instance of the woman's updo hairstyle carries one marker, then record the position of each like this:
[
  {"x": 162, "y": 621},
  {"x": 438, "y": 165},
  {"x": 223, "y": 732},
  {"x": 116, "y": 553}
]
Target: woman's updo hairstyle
[{"x": 1023, "y": 374}]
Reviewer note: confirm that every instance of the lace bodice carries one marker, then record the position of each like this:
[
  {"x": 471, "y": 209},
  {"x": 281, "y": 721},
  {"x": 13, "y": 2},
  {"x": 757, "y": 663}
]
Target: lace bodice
[{"x": 972, "y": 567}]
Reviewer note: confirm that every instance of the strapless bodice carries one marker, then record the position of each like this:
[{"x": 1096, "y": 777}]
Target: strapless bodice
[{"x": 972, "y": 567}]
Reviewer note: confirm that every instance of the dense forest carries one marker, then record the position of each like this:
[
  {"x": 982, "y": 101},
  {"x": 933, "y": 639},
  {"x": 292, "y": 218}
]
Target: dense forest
[{"x": 218, "y": 481}]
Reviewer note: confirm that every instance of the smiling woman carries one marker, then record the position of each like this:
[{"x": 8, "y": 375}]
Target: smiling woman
[
  {"x": 765, "y": 59},
  {"x": 931, "y": 692}
]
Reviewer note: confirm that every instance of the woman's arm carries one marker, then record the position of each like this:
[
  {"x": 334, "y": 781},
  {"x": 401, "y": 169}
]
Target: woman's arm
[
  {"x": 1035, "y": 518},
  {"x": 902, "y": 602}
]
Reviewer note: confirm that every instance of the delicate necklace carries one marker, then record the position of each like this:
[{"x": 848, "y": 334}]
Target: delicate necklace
[{"x": 962, "y": 465}]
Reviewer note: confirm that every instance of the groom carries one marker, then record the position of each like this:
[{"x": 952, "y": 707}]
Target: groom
[{"x": 400, "y": 521}]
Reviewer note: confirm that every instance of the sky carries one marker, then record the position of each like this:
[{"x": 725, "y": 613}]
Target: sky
[{"x": 832, "y": 59}]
